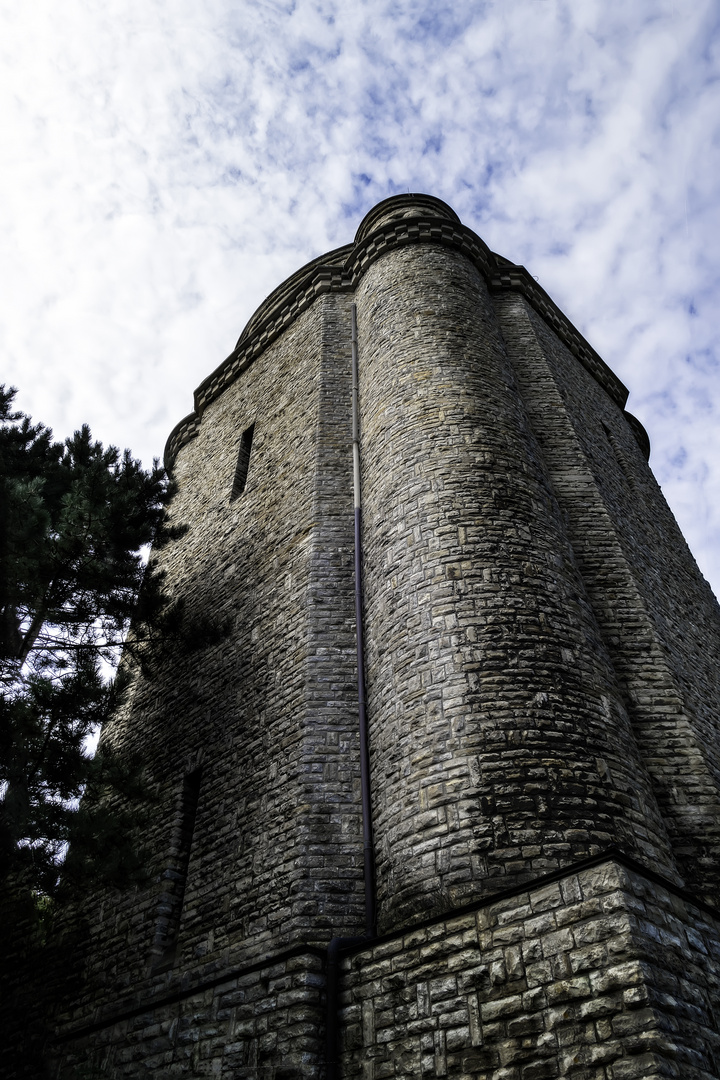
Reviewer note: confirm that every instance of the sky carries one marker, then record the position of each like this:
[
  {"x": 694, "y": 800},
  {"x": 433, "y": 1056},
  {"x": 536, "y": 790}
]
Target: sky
[{"x": 167, "y": 163}]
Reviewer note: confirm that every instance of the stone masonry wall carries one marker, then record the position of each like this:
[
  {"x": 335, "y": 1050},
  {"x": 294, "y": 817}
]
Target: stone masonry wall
[
  {"x": 264, "y": 1023},
  {"x": 500, "y": 745},
  {"x": 542, "y": 678},
  {"x": 269, "y": 714},
  {"x": 601, "y": 975},
  {"x": 659, "y": 621}
]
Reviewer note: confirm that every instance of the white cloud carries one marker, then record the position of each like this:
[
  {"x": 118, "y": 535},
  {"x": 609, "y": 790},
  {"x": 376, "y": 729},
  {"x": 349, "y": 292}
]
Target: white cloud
[{"x": 166, "y": 165}]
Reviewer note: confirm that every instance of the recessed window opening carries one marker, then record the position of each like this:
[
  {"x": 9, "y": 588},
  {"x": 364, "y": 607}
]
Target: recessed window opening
[
  {"x": 619, "y": 456},
  {"x": 243, "y": 463},
  {"x": 175, "y": 876}
]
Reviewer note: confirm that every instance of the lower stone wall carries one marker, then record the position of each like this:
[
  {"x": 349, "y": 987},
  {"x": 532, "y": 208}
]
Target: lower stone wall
[
  {"x": 602, "y": 975},
  {"x": 265, "y": 1023}
]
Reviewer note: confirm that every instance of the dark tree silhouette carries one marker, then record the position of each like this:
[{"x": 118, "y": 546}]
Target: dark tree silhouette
[{"x": 76, "y": 520}]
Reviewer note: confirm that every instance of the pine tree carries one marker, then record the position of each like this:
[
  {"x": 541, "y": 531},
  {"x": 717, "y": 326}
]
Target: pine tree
[{"x": 76, "y": 521}]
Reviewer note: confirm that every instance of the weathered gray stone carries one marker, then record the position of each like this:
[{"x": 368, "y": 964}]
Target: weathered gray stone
[{"x": 543, "y": 665}]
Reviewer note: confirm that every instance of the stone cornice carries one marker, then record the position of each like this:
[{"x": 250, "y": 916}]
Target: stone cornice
[
  {"x": 517, "y": 279},
  {"x": 404, "y": 219}
]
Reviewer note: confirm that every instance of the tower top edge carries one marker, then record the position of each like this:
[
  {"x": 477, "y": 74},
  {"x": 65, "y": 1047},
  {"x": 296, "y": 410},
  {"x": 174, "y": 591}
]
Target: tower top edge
[
  {"x": 397, "y": 220},
  {"x": 400, "y": 207}
]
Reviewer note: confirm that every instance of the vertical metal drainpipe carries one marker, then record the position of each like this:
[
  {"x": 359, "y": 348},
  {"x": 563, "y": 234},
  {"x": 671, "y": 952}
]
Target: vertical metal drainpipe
[
  {"x": 362, "y": 711},
  {"x": 332, "y": 975}
]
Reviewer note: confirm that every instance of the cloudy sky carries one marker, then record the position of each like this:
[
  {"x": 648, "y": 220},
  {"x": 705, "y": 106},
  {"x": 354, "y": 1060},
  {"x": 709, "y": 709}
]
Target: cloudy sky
[{"x": 166, "y": 163}]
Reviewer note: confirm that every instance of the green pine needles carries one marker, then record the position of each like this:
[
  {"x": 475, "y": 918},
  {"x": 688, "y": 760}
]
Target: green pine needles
[{"x": 75, "y": 525}]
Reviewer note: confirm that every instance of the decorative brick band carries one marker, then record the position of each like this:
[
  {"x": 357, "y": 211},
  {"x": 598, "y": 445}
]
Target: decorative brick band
[{"x": 342, "y": 269}]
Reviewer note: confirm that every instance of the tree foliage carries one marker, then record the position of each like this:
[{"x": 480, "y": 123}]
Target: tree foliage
[{"x": 76, "y": 519}]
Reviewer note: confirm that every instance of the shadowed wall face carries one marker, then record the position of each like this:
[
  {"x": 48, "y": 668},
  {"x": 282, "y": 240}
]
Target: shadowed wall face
[{"x": 269, "y": 714}]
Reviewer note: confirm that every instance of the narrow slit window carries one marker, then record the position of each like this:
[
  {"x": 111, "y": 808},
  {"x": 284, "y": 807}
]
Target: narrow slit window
[
  {"x": 243, "y": 463},
  {"x": 170, "y": 904},
  {"x": 620, "y": 457}
]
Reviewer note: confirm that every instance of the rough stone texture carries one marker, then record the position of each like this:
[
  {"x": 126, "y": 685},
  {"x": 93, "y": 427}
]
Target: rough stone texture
[
  {"x": 642, "y": 583},
  {"x": 260, "y": 1023},
  {"x": 270, "y": 713},
  {"x": 496, "y": 723},
  {"x": 598, "y": 976},
  {"x": 542, "y": 670}
]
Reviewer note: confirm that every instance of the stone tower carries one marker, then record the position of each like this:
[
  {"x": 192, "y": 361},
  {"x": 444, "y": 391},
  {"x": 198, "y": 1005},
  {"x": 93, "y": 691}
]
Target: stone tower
[{"x": 542, "y": 672}]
